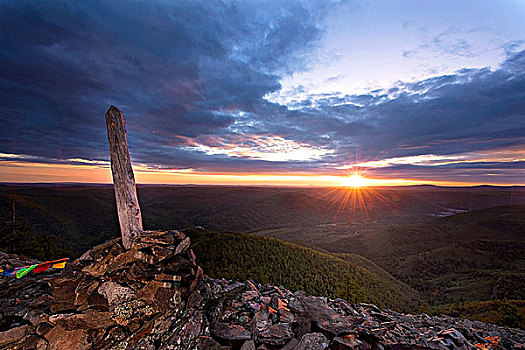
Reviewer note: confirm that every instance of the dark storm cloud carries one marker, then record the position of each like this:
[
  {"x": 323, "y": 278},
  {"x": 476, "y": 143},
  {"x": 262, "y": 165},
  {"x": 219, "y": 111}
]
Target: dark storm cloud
[
  {"x": 172, "y": 67},
  {"x": 191, "y": 78}
]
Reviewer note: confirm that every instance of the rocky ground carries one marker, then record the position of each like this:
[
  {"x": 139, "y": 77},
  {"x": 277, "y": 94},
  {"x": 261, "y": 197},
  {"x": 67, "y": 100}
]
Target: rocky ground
[{"x": 154, "y": 296}]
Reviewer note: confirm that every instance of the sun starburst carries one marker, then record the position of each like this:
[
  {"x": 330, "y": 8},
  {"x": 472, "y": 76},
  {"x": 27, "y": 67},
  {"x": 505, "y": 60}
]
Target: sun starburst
[{"x": 356, "y": 180}]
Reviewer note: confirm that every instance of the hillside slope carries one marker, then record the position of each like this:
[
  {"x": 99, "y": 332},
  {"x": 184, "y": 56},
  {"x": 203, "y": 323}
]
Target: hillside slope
[
  {"x": 473, "y": 256},
  {"x": 503, "y": 312},
  {"x": 271, "y": 261}
]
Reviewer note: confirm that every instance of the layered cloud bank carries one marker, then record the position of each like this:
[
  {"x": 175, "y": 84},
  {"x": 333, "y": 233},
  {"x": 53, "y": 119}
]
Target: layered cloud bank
[{"x": 200, "y": 84}]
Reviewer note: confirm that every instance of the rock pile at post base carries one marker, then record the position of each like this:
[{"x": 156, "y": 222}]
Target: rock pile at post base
[
  {"x": 154, "y": 296},
  {"x": 108, "y": 298}
]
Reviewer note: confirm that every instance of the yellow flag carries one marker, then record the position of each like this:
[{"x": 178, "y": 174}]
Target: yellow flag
[{"x": 59, "y": 265}]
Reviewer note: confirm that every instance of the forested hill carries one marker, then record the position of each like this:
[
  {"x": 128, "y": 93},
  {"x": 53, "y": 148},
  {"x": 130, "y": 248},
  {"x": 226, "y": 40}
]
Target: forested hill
[{"x": 271, "y": 261}]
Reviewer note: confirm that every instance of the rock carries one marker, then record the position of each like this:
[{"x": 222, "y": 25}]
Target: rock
[
  {"x": 161, "y": 253},
  {"x": 192, "y": 328},
  {"x": 95, "y": 301},
  {"x": 13, "y": 335},
  {"x": 248, "y": 345},
  {"x": 43, "y": 328},
  {"x": 276, "y": 335},
  {"x": 41, "y": 302},
  {"x": 126, "y": 312},
  {"x": 291, "y": 345},
  {"x": 41, "y": 344},
  {"x": 99, "y": 256},
  {"x": 158, "y": 238},
  {"x": 229, "y": 332},
  {"x": 35, "y": 317},
  {"x": 157, "y": 295},
  {"x": 260, "y": 320},
  {"x": 286, "y": 316},
  {"x": 91, "y": 319},
  {"x": 163, "y": 277},
  {"x": 59, "y": 339},
  {"x": 249, "y": 295},
  {"x": 313, "y": 341},
  {"x": 197, "y": 278},
  {"x": 208, "y": 343},
  {"x": 454, "y": 335},
  {"x": 348, "y": 342},
  {"x": 64, "y": 293},
  {"x": 114, "y": 292},
  {"x": 83, "y": 290},
  {"x": 182, "y": 246},
  {"x": 325, "y": 317}
]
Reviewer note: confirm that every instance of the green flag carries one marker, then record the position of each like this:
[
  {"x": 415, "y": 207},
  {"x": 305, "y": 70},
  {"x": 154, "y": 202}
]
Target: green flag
[{"x": 22, "y": 272}]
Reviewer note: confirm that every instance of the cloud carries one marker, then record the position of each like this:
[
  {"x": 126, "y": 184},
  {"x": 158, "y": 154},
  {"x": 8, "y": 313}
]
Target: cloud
[
  {"x": 445, "y": 117},
  {"x": 172, "y": 67},
  {"x": 199, "y": 84},
  {"x": 454, "y": 42},
  {"x": 264, "y": 147}
]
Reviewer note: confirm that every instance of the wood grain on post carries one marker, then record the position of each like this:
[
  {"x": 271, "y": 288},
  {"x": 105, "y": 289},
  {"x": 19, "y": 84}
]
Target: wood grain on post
[{"x": 123, "y": 179}]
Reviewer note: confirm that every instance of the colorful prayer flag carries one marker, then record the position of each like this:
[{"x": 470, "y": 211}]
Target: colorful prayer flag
[
  {"x": 42, "y": 267},
  {"x": 20, "y": 272},
  {"x": 25, "y": 270},
  {"x": 8, "y": 272},
  {"x": 60, "y": 265}
]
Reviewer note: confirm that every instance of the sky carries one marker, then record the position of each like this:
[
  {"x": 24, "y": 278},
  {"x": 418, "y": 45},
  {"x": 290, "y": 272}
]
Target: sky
[{"x": 265, "y": 92}]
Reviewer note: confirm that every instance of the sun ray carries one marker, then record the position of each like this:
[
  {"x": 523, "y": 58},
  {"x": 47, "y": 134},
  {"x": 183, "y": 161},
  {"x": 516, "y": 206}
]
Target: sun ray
[{"x": 356, "y": 197}]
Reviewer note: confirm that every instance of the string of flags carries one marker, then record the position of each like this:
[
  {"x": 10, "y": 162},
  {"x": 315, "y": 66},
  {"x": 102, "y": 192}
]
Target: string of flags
[{"x": 20, "y": 272}]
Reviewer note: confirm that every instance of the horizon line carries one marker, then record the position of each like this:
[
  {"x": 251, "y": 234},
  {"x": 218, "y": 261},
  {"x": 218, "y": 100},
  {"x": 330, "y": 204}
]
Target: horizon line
[{"x": 252, "y": 185}]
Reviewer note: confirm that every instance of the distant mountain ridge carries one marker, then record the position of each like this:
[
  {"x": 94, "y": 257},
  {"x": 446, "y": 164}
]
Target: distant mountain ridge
[{"x": 86, "y": 214}]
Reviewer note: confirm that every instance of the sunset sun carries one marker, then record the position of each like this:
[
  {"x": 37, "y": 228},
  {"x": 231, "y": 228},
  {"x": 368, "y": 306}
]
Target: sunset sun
[{"x": 356, "y": 180}]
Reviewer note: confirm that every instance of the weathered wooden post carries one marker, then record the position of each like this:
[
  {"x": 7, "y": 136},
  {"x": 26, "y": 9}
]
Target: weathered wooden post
[{"x": 123, "y": 179}]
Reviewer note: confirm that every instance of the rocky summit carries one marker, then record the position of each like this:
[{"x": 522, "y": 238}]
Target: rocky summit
[{"x": 155, "y": 296}]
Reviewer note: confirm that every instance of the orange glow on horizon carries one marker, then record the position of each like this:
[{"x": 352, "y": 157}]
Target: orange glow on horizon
[{"x": 29, "y": 172}]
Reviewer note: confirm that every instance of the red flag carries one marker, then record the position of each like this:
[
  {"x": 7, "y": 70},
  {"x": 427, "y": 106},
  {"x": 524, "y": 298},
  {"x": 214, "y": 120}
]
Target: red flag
[{"x": 42, "y": 267}]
